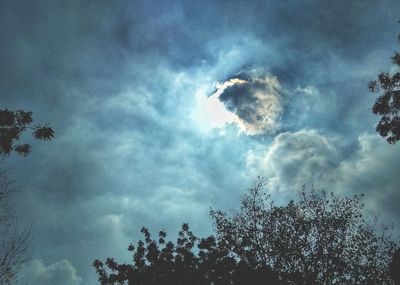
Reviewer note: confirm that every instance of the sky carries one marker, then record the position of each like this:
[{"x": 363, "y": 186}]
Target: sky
[{"x": 163, "y": 109}]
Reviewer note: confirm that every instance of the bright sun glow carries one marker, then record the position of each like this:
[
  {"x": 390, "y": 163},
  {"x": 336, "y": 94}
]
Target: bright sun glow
[{"x": 210, "y": 112}]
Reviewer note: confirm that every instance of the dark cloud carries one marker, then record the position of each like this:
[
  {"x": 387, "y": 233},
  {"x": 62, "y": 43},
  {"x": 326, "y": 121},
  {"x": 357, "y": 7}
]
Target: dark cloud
[
  {"x": 372, "y": 170},
  {"x": 255, "y": 100}
]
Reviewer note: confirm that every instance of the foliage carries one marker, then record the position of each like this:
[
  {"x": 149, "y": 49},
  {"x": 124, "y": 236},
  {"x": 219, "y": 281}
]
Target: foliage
[
  {"x": 14, "y": 243},
  {"x": 161, "y": 262},
  {"x": 388, "y": 104},
  {"x": 319, "y": 239},
  {"x": 13, "y": 124}
]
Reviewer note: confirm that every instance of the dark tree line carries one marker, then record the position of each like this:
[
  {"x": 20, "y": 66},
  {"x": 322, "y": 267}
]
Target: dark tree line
[{"x": 317, "y": 239}]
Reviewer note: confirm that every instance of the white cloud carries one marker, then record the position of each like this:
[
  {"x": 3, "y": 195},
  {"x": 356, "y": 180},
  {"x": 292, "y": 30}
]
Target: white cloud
[
  {"x": 61, "y": 273},
  {"x": 312, "y": 158},
  {"x": 294, "y": 159}
]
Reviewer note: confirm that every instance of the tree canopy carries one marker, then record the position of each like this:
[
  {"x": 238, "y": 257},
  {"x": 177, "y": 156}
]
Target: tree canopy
[
  {"x": 190, "y": 260},
  {"x": 318, "y": 239},
  {"x": 13, "y": 124},
  {"x": 387, "y": 105}
]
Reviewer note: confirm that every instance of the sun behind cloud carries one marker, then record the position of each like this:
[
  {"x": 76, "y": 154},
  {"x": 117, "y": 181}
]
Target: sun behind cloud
[{"x": 250, "y": 101}]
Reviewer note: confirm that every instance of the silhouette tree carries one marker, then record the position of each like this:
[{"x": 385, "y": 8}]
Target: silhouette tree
[
  {"x": 319, "y": 239},
  {"x": 395, "y": 267},
  {"x": 14, "y": 243},
  {"x": 387, "y": 105},
  {"x": 13, "y": 124},
  {"x": 161, "y": 262}
]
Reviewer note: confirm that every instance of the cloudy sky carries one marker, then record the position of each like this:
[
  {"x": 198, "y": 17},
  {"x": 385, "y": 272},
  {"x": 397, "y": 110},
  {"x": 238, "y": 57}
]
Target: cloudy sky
[{"x": 163, "y": 109}]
